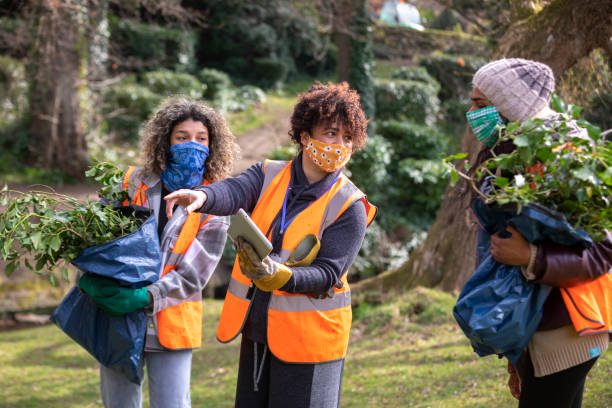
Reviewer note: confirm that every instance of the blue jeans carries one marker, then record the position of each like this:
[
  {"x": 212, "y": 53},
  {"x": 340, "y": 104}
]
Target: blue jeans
[{"x": 169, "y": 376}]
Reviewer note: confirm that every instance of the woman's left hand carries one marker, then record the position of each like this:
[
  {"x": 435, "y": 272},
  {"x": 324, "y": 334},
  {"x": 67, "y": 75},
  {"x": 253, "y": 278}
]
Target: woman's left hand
[{"x": 513, "y": 250}]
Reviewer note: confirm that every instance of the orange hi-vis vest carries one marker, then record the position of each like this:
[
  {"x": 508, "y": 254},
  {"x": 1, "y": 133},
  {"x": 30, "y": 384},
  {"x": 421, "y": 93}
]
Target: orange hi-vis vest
[
  {"x": 179, "y": 326},
  {"x": 301, "y": 329},
  {"x": 590, "y": 305}
]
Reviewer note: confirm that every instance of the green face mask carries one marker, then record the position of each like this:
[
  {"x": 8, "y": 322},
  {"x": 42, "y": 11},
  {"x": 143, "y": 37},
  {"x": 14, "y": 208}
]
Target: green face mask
[{"x": 483, "y": 122}]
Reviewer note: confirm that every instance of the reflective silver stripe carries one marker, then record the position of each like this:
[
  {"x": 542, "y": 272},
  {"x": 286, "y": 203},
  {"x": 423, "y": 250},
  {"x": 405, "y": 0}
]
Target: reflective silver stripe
[
  {"x": 238, "y": 289},
  {"x": 336, "y": 203},
  {"x": 173, "y": 258},
  {"x": 273, "y": 167},
  {"x": 302, "y": 303},
  {"x": 175, "y": 223}
]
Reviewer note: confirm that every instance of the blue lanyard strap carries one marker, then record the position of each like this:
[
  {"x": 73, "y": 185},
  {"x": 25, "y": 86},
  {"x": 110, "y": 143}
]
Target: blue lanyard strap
[{"x": 285, "y": 225}]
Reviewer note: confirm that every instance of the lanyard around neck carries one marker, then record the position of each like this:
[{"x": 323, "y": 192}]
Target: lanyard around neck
[{"x": 284, "y": 225}]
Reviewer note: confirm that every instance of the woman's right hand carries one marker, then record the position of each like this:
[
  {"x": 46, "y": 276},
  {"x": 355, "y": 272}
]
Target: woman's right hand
[{"x": 190, "y": 199}]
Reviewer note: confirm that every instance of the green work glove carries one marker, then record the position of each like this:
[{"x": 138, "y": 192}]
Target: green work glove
[
  {"x": 112, "y": 298},
  {"x": 267, "y": 274}
]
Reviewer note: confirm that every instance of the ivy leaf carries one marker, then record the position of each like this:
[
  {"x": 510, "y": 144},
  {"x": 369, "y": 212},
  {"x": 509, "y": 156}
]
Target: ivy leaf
[
  {"x": 55, "y": 243},
  {"x": 8, "y": 244},
  {"x": 501, "y": 181},
  {"x": 584, "y": 174},
  {"x": 36, "y": 237},
  {"x": 521, "y": 140},
  {"x": 64, "y": 272},
  {"x": 457, "y": 156},
  {"x": 40, "y": 263},
  {"x": 606, "y": 176},
  {"x": 10, "y": 268},
  {"x": 557, "y": 103},
  {"x": 91, "y": 172}
]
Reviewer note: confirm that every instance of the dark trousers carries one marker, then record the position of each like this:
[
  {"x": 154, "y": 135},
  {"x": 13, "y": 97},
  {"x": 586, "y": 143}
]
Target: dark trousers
[
  {"x": 264, "y": 381},
  {"x": 563, "y": 389}
]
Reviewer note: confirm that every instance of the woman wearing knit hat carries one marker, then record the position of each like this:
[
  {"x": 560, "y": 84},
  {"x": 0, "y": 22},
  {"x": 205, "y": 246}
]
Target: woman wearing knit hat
[{"x": 553, "y": 367}]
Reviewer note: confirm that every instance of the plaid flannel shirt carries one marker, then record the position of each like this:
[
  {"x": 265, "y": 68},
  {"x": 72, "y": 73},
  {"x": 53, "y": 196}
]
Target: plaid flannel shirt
[{"x": 193, "y": 270}]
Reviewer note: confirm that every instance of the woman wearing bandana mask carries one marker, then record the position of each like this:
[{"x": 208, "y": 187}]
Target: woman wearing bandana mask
[
  {"x": 294, "y": 317},
  {"x": 185, "y": 144},
  {"x": 553, "y": 368}
]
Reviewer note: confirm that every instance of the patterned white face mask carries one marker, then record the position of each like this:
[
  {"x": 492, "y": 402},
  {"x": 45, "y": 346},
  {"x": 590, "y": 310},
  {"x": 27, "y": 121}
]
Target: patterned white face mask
[{"x": 328, "y": 157}]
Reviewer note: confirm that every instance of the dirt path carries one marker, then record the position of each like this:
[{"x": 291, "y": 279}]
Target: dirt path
[{"x": 257, "y": 143}]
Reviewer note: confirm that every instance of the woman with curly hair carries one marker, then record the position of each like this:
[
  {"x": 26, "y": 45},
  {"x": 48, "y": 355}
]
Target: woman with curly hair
[
  {"x": 293, "y": 307},
  {"x": 185, "y": 144}
]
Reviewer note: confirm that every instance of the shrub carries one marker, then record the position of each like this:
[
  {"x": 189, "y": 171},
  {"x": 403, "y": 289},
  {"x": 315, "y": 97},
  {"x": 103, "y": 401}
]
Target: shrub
[
  {"x": 215, "y": 81},
  {"x": 137, "y": 46},
  {"x": 418, "y": 74},
  {"x": 399, "y": 171},
  {"x": 130, "y": 104},
  {"x": 251, "y": 94},
  {"x": 412, "y": 140},
  {"x": 402, "y": 99},
  {"x": 453, "y": 121},
  {"x": 166, "y": 83},
  {"x": 424, "y": 181},
  {"x": 448, "y": 19},
  {"x": 379, "y": 253},
  {"x": 453, "y": 72},
  {"x": 369, "y": 165},
  {"x": 269, "y": 72},
  {"x": 283, "y": 152},
  {"x": 238, "y": 99},
  {"x": 240, "y": 32}
]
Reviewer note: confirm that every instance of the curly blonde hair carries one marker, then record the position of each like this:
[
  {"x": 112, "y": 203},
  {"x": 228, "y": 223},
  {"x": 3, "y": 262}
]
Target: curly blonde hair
[{"x": 155, "y": 141}]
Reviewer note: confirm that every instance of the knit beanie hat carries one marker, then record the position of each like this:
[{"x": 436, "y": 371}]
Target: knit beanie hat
[{"x": 518, "y": 88}]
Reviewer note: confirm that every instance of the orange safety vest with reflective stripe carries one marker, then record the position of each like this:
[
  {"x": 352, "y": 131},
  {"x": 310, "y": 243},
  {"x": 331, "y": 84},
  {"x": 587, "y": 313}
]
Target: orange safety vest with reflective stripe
[
  {"x": 179, "y": 326},
  {"x": 590, "y": 305},
  {"x": 301, "y": 329}
]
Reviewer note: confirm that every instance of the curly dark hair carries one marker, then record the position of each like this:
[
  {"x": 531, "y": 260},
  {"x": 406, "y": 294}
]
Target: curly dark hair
[
  {"x": 328, "y": 103},
  {"x": 155, "y": 141}
]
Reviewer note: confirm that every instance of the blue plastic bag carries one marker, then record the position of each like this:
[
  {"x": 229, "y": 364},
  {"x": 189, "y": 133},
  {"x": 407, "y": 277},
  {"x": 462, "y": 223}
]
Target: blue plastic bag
[
  {"x": 498, "y": 309},
  {"x": 117, "y": 342}
]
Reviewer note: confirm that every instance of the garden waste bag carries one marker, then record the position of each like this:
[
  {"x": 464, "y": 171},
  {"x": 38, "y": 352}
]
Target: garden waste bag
[
  {"x": 498, "y": 309},
  {"x": 134, "y": 261}
]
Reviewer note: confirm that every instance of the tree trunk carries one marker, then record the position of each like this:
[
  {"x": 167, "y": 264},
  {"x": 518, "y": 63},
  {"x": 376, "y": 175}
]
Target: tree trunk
[
  {"x": 342, "y": 14},
  {"x": 559, "y": 35},
  {"x": 58, "y": 140}
]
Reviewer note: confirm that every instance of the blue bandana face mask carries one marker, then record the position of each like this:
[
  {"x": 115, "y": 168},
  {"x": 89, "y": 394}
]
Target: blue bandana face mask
[
  {"x": 185, "y": 166},
  {"x": 483, "y": 122}
]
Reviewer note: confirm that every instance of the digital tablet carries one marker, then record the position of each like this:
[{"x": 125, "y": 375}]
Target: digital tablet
[{"x": 242, "y": 225}]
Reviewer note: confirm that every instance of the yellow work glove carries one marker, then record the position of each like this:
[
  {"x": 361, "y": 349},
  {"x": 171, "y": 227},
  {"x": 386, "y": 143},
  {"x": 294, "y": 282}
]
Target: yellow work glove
[
  {"x": 267, "y": 274},
  {"x": 305, "y": 252}
]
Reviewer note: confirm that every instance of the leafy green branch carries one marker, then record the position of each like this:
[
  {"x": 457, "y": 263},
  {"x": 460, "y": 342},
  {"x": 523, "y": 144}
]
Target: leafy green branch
[
  {"x": 44, "y": 230},
  {"x": 554, "y": 164}
]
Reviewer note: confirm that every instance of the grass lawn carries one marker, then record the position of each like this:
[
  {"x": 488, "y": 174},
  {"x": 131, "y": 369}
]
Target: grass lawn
[{"x": 407, "y": 352}]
